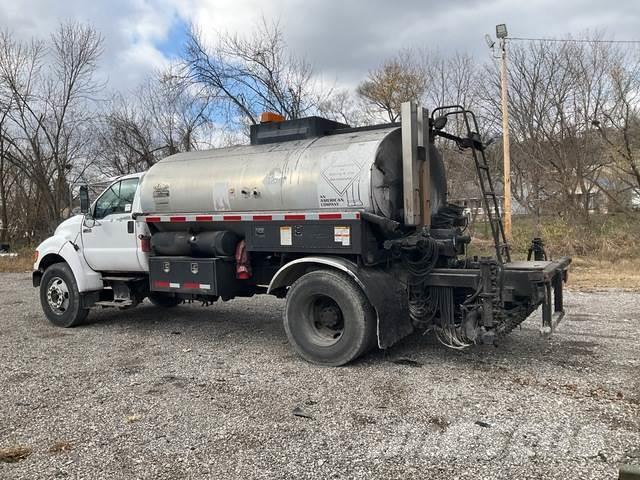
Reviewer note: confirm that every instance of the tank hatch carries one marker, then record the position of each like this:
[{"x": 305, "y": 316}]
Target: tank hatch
[{"x": 298, "y": 129}]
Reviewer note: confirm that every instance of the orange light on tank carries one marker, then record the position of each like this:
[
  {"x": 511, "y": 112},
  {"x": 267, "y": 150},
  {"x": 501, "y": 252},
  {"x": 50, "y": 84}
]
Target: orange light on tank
[{"x": 268, "y": 117}]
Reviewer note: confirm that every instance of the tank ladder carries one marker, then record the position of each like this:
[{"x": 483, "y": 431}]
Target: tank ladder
[{"x": 489, "y": 197}]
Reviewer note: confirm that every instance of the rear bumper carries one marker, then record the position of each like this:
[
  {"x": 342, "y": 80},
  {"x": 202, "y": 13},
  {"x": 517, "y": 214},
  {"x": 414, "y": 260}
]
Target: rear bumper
[
  {"x": 555, "y": 275},
  {"x": 532, "y": 283}
]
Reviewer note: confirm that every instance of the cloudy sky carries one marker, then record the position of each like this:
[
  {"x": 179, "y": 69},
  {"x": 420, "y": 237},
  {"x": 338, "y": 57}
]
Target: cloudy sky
[{"x": 342, "y": 39}]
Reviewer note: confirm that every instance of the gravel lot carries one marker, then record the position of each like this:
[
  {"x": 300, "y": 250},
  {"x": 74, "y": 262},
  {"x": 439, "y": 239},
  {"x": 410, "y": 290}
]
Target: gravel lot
[{"x": 210, "y": 393}]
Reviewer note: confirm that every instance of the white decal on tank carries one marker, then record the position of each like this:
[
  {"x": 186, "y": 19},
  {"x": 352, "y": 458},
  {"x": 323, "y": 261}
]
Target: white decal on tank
[
  {"x": 221, "y": 197},
  {"x": 161, "y": 196},
  {"x": 339, "y": 183}
]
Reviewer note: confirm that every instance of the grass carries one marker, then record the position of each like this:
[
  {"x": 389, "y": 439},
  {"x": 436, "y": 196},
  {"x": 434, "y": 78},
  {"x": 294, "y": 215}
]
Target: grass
[
  {"x": 606, "y": 252},
  {"x": 607, "y": 237},
  {"x": 592, "y": 274},
  {"x": 22, "y": 263}
]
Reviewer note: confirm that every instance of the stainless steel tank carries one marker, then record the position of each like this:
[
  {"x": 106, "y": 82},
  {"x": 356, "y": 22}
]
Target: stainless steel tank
[{"x": 359, "y": 170}]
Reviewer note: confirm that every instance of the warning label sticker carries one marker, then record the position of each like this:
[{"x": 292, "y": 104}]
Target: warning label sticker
[
  {"x": 339, "y": 185},
  {"x": 161, "y": 196},
  {"x": 285, "y": 236},
  {"x": 342, "y": 235}
]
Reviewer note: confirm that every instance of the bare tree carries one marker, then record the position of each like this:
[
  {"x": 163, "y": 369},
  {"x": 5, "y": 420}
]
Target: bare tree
[
  {"x": 556, "y": 89},
  {"x": 251, "y": 74},
  {"x": 166, "y": 115},
  {"x": 48, "y": 124},
  {"x": 342, "y": 106},
  {"x": 619, "y": 127},
  {"x": 399, "y": 79}
]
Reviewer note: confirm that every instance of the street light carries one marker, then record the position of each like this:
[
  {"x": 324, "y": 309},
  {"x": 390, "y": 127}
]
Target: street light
[
  {"x": 490, "y": 41},
  {"x": 501, "y": 33}
]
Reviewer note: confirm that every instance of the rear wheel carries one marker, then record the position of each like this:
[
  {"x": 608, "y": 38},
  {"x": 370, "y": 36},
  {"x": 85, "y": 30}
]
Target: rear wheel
[
  {"x": 163, "y": 300},
  {"x": 60, "y": 298},
  {"x": 328, "y": 319}
]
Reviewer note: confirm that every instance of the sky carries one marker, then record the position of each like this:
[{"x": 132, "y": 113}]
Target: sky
[{"x": 343, "y": 40}]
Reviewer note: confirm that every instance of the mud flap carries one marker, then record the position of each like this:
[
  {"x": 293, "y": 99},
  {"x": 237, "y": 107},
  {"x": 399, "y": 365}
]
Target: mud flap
[{"x": 389, "y": 297}]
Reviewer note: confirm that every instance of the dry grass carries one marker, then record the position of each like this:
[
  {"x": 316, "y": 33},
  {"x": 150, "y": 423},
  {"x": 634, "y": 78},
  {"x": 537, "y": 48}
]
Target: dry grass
[
  {"x": 14, "y": 454},
  {"x": 606, "y": 253},
  {"x": 22, "y": 263},
  {"x": 590, "y": 274}
]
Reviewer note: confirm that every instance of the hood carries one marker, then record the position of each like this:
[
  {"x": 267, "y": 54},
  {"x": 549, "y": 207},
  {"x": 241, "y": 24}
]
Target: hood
[{"x": 70, "y": 228}]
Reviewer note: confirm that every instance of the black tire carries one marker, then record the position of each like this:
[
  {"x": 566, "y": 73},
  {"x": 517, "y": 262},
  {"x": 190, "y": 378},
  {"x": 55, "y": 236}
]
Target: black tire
[
  {"x": 328, "y": 319},
  {"x": 163, "y": 300},
  {"x": 60, "y": 298}
]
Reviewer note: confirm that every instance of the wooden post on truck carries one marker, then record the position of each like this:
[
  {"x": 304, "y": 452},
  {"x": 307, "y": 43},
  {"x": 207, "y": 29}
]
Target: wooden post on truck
[
  {"x": 425, "y": 170},
  {"x": 415, "y": 164}
]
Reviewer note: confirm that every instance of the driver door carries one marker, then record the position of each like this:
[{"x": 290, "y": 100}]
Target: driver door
[{"x": 109, "y": 240}]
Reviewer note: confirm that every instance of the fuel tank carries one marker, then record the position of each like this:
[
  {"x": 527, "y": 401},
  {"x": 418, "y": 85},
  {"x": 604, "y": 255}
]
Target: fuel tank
[{"x": 359, "y": 170}]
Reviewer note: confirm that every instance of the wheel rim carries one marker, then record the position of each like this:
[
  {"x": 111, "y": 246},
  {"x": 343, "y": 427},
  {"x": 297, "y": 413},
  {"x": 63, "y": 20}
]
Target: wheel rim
[
  {"x": 58, "y": 295},
  {"x": 324, "y": 320}
]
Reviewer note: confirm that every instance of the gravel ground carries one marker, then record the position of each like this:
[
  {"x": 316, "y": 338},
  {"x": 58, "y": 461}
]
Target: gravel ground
[{"x": 210, "y": 393}]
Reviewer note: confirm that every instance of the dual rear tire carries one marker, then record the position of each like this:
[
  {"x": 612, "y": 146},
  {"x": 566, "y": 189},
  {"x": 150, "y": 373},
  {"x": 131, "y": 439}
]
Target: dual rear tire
[{"x": 328, "y": 319}]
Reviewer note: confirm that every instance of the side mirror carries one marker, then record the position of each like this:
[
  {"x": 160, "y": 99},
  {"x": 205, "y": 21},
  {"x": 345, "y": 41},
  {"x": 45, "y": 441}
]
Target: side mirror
[
  {"x": 439, "y": 123},
  {"x": 84, "y": 199}
]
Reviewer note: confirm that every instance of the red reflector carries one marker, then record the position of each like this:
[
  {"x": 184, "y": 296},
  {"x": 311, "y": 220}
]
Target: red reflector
[
  {"x": 262, "y": 217},
  {"x": 330, "y": 216},
  {"x": 231, "y": 218},
  {"x": 191, "y": 285},
  {"x": 152, "y": 219},
  {"x": 204, "y": 218},
  {"x": 159, "y": 284},
  {"x": 145, "y": 244},
  {"x": 294, "y": 217},
  {"x": 357, "y": 215},
  {"x": 177, "y": 219}
]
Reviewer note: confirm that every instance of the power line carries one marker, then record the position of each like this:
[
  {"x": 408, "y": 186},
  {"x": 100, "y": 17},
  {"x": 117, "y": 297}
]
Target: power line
[{"x": 570, "y": 40}]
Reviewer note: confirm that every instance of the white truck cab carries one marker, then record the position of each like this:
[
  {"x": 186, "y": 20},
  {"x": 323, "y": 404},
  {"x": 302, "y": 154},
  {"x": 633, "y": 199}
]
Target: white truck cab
[
  {"x": 110, "y": 234},
  {"x": 87, "y": 252}
]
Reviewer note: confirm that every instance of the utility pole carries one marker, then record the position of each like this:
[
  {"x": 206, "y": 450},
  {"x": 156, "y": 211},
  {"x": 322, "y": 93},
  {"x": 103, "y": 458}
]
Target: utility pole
[{"x": 501, "y": 33}]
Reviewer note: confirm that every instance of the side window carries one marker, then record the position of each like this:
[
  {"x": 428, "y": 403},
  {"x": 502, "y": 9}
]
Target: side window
[
  {"x": 127, "y": 193},
  {"x": 116, "y": 199}
]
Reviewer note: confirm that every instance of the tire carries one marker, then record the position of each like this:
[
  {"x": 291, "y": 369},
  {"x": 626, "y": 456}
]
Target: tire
[
  {"x": 60, "y": 298},
  {"x": 163, "y": 300},
  {"x": 328, "y": 319}
]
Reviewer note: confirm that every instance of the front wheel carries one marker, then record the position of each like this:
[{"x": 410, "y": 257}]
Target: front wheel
[
  {"x": 60, "y": 298},
  {"x": 328, "y": 319}
]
